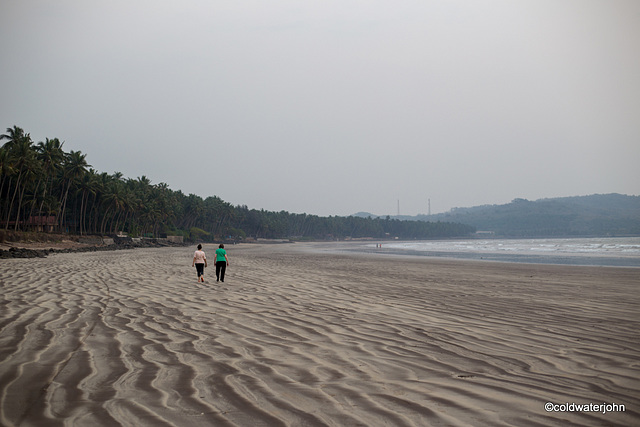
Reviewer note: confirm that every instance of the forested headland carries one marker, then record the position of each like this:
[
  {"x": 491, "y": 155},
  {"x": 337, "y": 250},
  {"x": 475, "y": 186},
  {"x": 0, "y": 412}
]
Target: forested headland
[
  {"x": 593, "y": 215},
  {"x": 43, "y": 187}
]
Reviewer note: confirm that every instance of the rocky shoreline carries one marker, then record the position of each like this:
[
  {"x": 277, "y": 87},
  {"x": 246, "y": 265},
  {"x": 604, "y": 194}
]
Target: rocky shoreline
[{"x": 22, "y": 252}]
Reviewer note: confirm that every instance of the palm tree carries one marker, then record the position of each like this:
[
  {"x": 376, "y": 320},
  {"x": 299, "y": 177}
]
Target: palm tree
[
  {"x": 6, "y": 170},
  {"x": 75, "y": 166},
  {"x": 87, "y": 186},
  {"x": 32, "y": 175},
  {"x": 51, "y": 155},
  {"x": 113, "y": 202},
  {"x": 22, "y": 156},
  {"x": 101, "y": 183},
  {"x": 13, "y": 135}
]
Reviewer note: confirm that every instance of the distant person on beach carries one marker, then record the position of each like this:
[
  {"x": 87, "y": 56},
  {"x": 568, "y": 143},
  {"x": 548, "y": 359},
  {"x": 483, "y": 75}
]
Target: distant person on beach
[
  {"x": 221, "y": 263},
  {"x": 200, "y": 262}
]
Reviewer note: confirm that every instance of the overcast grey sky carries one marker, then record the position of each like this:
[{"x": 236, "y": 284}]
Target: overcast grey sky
[{"x": 334, "y": 107}]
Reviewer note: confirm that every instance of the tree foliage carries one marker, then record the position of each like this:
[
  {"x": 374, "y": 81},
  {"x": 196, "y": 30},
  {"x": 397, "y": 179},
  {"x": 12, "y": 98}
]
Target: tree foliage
[
  {"x": 594, "y": 215},
  {"x": 41, "y": 183}
]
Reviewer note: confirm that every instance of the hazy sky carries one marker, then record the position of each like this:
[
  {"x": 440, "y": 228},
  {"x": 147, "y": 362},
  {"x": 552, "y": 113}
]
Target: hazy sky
[{"x": 334, "y": 107}]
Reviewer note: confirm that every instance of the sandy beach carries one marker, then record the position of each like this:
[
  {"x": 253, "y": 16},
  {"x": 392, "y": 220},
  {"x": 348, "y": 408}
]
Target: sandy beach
[{"x": 301, "y": 336}]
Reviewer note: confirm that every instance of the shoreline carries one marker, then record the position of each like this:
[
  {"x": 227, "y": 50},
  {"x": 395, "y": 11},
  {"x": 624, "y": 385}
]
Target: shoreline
[
  {"x": 66, "y": 244},
  {"x": 568, "y": 260},
  {"x": 562, "y": 259}
]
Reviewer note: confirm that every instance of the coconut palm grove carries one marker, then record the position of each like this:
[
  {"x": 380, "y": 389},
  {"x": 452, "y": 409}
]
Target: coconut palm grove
[{"x": 47, "y": 189}]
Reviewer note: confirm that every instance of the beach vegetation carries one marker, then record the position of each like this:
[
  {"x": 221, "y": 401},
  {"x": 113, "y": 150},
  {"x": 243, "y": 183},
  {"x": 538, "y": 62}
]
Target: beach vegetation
[
  {"x": 44, "y": 188},
  {"x": 198, "y": 234}
]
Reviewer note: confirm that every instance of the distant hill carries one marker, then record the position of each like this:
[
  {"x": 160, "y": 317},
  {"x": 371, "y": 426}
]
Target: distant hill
[{"x": 595, "y": 215}]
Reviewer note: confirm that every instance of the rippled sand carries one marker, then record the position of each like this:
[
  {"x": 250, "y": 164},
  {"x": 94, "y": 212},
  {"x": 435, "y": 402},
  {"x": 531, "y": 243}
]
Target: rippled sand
[{"x": 296, "y": 337}]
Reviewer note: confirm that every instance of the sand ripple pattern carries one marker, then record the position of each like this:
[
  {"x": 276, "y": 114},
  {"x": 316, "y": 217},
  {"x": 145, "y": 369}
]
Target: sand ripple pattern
[{"x": 295, "y": 338}]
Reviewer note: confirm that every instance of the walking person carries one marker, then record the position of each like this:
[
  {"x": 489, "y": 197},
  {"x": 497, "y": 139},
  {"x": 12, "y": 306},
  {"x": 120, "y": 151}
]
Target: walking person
[
  {"x": 200, "y": 262},
  {"x": 222, "y": 261}
]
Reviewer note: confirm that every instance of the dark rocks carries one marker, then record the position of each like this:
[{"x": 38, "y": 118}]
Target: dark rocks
[
  {"x": 122, "y": 244},
  {"x": 24, "y": 253}
]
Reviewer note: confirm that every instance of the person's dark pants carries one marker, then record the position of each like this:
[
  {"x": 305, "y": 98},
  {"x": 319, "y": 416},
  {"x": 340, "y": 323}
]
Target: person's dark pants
[
  {"x": 221, "y": 266},
  {"x": 200, "y": 269}
]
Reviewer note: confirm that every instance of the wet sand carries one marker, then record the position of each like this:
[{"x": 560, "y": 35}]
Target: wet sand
[{"x": 300, "y": 337}]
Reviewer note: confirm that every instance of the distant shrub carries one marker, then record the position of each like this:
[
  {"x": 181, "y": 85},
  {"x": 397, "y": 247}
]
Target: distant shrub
[{"x": 196, "y": 234}]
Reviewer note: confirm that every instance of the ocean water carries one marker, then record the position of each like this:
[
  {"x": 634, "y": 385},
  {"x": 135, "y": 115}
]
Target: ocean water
[{"x": 605, "y": 251}]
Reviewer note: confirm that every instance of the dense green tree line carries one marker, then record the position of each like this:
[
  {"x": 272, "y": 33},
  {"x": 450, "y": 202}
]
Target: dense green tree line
[
  {"x": 594, "y": 215},
  {"x": 42, "y": 181}
]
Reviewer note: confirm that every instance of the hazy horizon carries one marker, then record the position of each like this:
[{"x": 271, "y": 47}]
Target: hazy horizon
[{"x": 335, "y": 108}]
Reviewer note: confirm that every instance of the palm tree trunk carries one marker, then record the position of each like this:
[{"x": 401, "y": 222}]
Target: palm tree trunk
[
  {"x": 104, "y": 220},
  {"x": 19, "y": 207},
  {"x": 60, "y": 201},
  {"x": 2, "y": 179},
  {"x": 81, "y": 219},
  {"x": 64, "y": 207},
  {"x": 33, "y": 203},
  {"x": 6, "y": 206},
  {"x": 114, "y": 223},
  {"x": 12, "y": 200},
  {"x": 84, "y": 214},
  {"x": 124, "y": 222},
  {"x": 44, "y": 196}
]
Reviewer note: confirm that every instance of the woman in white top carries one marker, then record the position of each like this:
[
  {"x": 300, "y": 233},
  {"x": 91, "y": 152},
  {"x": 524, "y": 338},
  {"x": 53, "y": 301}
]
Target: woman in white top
[{"x": 200, "y": 261}]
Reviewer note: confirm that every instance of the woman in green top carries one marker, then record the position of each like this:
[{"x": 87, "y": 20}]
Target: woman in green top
[{"x": 221, "y": 262}]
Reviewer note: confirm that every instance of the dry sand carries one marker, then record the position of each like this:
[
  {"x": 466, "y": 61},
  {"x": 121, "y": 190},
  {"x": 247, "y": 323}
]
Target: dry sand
[{"x": 298, "y": 338}]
